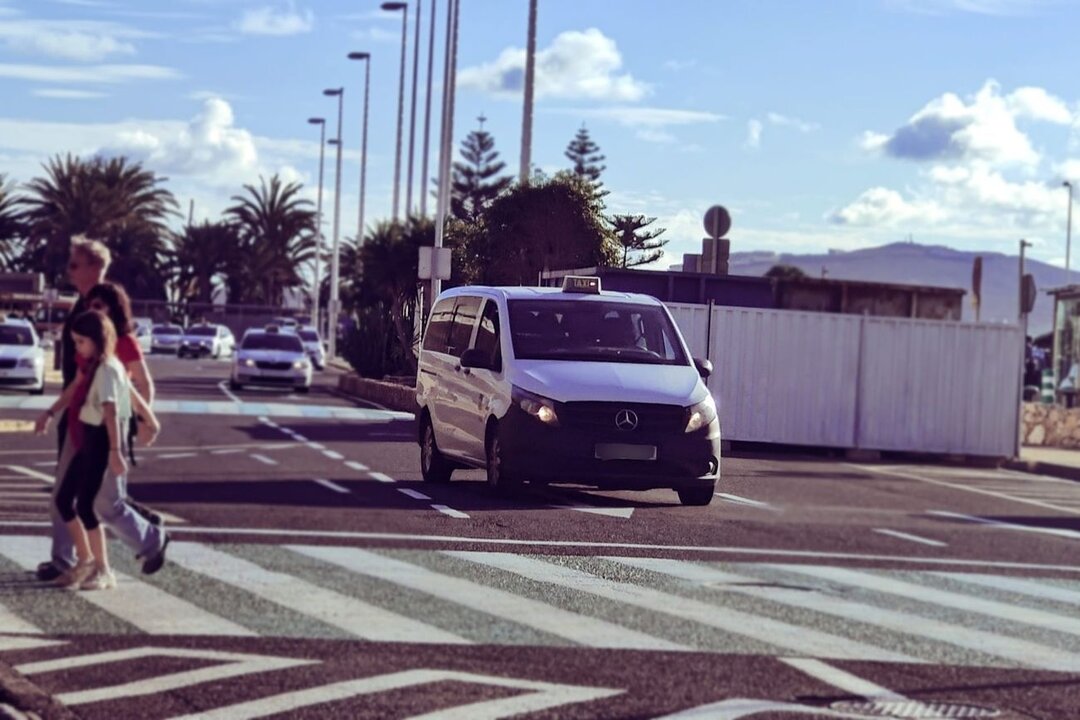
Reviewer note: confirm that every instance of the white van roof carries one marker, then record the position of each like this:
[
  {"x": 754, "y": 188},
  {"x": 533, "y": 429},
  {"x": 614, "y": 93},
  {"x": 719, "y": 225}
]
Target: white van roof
[{"x": 548, "y": 293}]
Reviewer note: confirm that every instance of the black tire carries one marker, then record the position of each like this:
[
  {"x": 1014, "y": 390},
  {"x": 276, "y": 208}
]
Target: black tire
[
  {"x": 303, "y": 389},
  {"x": 233, "y": 385},
  {"x": 696, "y": 497},
  {"x": 433, "y": 464},
  {"x": 38, "y": 391},
  {"x": 498, "y": 480}
]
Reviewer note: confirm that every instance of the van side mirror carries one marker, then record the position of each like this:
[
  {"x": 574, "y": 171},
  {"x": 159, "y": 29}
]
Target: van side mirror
[
  {"x": 474, "y": 358},
  {"x": 704, "y": 367}
]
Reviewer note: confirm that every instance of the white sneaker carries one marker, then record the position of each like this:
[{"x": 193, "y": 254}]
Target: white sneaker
[
  {"x": 99, "y": 580},
  {"x": 76, "y": 576}
]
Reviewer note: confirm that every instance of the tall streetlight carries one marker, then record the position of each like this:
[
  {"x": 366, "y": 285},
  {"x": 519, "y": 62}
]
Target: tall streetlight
[
  {"x": 339, "y": 93},
  {"x": 427, "y": 114},
  {"x": 404, "y": 8},
  {"x": 316, "y": 289},
  {"x": 446, "y": 142},
  {"x": 366, "y": 57},
  {"x": 412, "y": 109},
  {"x": 527, "y": 111},
  {"x": 1068, "y": 232}
]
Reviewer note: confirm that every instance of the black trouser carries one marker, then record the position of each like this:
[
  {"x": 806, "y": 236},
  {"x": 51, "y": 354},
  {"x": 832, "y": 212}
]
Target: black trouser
[{"x": 82, "y": 481}]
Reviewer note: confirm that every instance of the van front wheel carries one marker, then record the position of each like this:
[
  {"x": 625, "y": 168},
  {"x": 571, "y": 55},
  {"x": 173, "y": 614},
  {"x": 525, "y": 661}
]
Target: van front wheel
[
  {"x": 696, "y": 496},
  {"x": 497, "y": 478},
  {"x": 433, "y": 465}
]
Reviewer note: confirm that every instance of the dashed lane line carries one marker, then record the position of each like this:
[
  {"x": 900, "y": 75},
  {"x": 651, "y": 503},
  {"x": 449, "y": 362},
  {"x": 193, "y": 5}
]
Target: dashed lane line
[
  {"x": 1058, "y": 532},
  {"x": 909, "y": 536},
  {"x": 358, "y": 466},
  {"x": 381, "y": 477},
  {"x": 263, "y": 459},
  {"x": 333, "y": 486},
  {"x": 414, "y": 494},
  {"x": 333, "y": 455},
  {"x": 451, "y": 512}
]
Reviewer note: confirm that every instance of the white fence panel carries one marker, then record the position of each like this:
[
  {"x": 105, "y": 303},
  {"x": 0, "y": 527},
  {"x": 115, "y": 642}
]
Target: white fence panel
[{"x": 939, "y": 387}]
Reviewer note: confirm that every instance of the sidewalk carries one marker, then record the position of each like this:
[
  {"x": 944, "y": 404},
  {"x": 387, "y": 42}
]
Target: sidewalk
[{"x": 1056, "y": 462}]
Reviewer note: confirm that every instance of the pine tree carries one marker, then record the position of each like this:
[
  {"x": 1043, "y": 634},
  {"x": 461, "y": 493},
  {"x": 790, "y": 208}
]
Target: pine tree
[
  {"x": 585, "y": 154},
  {"x": 630, "y": 231},
  {"x": 475, "y": 183}
]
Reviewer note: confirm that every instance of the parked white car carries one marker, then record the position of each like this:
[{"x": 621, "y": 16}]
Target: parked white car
[
  {"x": 143, "y": 328},
  {"x": 166, "y": 338},
  {"x": 271, "y": 356},
  {"x": 206, "y": 339},
  {"x": 314, "y": 345},
  {"x": 22, "y": 361}
]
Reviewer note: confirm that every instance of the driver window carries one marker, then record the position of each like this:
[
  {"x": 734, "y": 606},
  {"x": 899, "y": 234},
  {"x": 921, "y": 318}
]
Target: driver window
[{"x": 488, "y": 334}]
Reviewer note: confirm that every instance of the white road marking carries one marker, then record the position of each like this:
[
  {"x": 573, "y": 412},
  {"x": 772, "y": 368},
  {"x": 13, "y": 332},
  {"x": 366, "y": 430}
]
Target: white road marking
[
  {"x": 743, "y": 501},
  {"x": 1019, "y": 586},
  {"x": 543, "y": 697},
  {"x": 333, "y": 455},
  {"x": 236, "y": 665},
  {"x": 223, "y": 385},
  {"x": 145, "y": 606},
  {"x": 298, "y": 437},
  {"x": 909, "y": 536},
  {"x": 26, "y": 643},
  {"x": 32, "y": 473},
  {"x": 451, "y": 512},
  {"x": 47, "y": 463},
  {"x": 381, "y": 477},
  {"x": 358, "y": 466},
  {"x": 174, "y": 456},
  {"x": 12, "y": 623},
  {"x": 588, "y": 631},
  {"x": 333, "y": 486},
  {"x": 619, "y": 512},
  {"x": 843, "y": 680},
  {"x": 354, "y": 616},
  {"x": 227, "y": 451},
  {"x": 956, "y": 486},
  {"x": 263, "y": 459},
  {"x": 1017, "y": 650},
  {"x": 1059, "y": 532},
  {"x": 414, "y": 494},
  {"x": 738, "y": 708},
  {"x": 763, "y": 629},
  {"x": 945, "y": 598},
  {"x": 316, "y": 446}
]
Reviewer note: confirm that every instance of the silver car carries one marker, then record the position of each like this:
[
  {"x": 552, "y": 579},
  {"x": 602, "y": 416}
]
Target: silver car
[
  {"x": 271, "y": 357},
  {"x": 314, "y": 346},
  {"x": 206, "y": 339},
  {"x": 166, "y": 338},
  {"x": 22, "y": 361}
]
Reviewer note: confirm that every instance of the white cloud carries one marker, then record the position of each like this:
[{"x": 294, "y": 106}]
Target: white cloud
[
  {"x": 1069, "y": 170},
  {"x": 576, "y": 65},
  {"x": 881, "y": 206},
  {"x": 753, "y": 134},
  {"x": 976, "y": 7},
  {"x": 982, "y": 129},
  {"x": 656, "y": 136},
  {"x": 103, "y": 74},
  {"x": 679, "y": 65},
  {"x": 650, "y": 117},
  {"x": 268, "y": 20},
  {"x": 63, "y": 94},
  {"x": 785, "y": 121},
  {"x": 377, "y": 35},
  {"x": 78, "y": 40}
]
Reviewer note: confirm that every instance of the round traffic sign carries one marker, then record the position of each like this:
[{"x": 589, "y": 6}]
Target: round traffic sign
[{"x": 717, "y": 221}]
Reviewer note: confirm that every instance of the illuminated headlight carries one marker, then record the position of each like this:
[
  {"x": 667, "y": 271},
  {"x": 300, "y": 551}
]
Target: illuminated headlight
[
  {"x": 700, "y": 415},
  {"x": 540, "y": 407},
  {"x": 300, "y": 365},
  {"x": 248, "y": 362},
  {"x": 30, "y": 362}
]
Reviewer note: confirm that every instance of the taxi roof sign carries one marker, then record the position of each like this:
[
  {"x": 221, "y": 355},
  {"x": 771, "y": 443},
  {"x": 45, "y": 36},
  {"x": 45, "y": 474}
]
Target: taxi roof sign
[{"x": 581, "y": 284}]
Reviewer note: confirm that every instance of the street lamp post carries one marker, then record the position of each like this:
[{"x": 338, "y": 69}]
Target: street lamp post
[
  {"x": 366, "y": 57},
  {"x": 446, "y": 142},
  {"x": 427, "y": 114},
  {"x": 412, "y": 110},
  {"x": 1068, "y": 232},
  {"x": 527, "y": 110},
  {"x": 404, "y": 8},
  {"x": 339, "y": 93},
  {"x": 316, "y": 288}
]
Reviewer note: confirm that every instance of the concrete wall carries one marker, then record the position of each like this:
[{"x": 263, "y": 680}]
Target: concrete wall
[{"x": 392, "y": 396}]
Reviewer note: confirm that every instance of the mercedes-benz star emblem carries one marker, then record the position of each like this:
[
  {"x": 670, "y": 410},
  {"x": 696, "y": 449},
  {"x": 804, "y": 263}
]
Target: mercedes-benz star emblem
[{"x": 626, "y": 420}]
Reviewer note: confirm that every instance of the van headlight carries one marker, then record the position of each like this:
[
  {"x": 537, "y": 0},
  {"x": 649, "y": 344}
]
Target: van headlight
[
  {"x": 540, "y": 407},
  {"x": 300, "y": 365},
  {"x": 248, "y": 362},
  {"x": 700, "y": 415}
]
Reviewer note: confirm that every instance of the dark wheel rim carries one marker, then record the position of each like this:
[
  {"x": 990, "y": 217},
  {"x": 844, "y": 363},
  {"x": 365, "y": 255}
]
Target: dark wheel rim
[
  {"x": 427, "y": 450},
  {"x": 494, "y": 463}
]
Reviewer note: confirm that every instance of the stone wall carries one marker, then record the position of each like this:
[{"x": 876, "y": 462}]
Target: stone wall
[
  {"x": 1051, "y": 426},
  {"x": 393, "y": 396}
]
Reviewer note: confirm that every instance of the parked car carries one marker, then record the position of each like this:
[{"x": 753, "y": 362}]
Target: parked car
[
  {"x": 271, "y": 356},
  {"x": 143, "y": 329},
  {"x": 314, "y": 346},
  {"x": 166, "y": 338},
  {"x": 22, "y": 360},
  {"x": 570, "y": 385},
  {"x": 207, "y": 339}
]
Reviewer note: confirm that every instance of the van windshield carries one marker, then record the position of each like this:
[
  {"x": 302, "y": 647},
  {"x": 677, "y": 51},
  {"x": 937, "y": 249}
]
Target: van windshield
[{"x": 594, "y": 332}]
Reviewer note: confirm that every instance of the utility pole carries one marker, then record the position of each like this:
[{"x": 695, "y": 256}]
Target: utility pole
[{"x": 527, "y": 110}]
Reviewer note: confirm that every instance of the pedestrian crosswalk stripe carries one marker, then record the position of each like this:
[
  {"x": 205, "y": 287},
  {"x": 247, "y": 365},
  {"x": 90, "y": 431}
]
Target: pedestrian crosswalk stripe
[
  {"x": 146, "y": 607},
  {"x": 1014, "y": 649},
  {"x": 1019, "y": 586},
  {"x": 356, "y": 617},
  {"x": 578, "y": 628},
  {"x": 12, "y": 623},
  {"x": 777, "y": 634},
  {"x": 945, "y": 598}
]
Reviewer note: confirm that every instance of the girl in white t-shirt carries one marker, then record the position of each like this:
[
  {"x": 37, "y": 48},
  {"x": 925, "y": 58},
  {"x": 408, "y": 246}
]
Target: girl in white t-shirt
[{"x": 98, "y": 414}]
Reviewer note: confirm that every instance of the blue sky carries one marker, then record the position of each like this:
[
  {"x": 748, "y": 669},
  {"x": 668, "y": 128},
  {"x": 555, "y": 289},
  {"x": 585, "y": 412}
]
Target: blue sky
[{"x": 837, "y": 124}]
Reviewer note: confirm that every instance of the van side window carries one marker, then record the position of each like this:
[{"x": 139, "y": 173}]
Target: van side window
[
  {"x": 468, "y": 307},
  {"x": 487, "y": 335},
  {"x": 438, "y": 329}
]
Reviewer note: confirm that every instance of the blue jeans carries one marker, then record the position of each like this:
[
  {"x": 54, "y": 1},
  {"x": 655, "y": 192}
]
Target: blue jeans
[{"x": 130, "y": 527}]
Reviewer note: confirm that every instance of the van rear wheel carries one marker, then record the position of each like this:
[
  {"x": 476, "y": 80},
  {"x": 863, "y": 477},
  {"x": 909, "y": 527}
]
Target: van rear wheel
[
  {"x": 696, "y": 496},
  {"x": 497, "y": 478},
  {"x": 433, "y": 464}
]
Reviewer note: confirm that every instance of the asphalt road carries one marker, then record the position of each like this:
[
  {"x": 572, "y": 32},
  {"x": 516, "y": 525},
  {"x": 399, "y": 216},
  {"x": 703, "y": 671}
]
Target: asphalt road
[{"x": 314, "y": 574}]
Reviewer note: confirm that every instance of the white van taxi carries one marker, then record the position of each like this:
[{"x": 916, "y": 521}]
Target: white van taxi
[{"x": 571, "y": 385}]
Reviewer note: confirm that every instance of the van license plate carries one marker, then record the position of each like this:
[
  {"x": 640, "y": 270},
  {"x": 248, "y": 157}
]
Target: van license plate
[{"x": 620, "y": 451}]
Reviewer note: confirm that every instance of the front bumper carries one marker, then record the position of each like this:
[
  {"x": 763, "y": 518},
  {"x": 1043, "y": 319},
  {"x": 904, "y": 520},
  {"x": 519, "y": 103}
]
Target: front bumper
[
  {"x": 195, "y": 350},
  {"x": 537, "y": 452},
  {"x": 22, "y": 377},
  {"x": 281, "y": 378}
]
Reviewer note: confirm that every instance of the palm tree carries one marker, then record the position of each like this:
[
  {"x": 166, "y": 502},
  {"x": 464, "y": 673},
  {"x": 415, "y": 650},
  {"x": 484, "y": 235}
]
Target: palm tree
[
  {"x": 199, "y": 255},
  {"x": 10, "y": 225},
  {"x": 276, "y": 229}
]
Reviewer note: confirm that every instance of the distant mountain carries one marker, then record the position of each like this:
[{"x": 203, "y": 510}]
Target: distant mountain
[{"x": 914, "y": 264}]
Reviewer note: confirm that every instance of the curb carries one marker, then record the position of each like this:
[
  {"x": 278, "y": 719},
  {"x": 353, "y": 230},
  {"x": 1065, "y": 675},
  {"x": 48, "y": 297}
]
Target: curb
[
  {"x": 1036, "y": 467},
  {"x": 21, "y": 699}
]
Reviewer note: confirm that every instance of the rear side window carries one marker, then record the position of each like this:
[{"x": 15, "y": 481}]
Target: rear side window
[
  {"x": 468, "y": 307},
  {"x": 438, "y": 329},
  {"x": 487, "y": 335}
]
